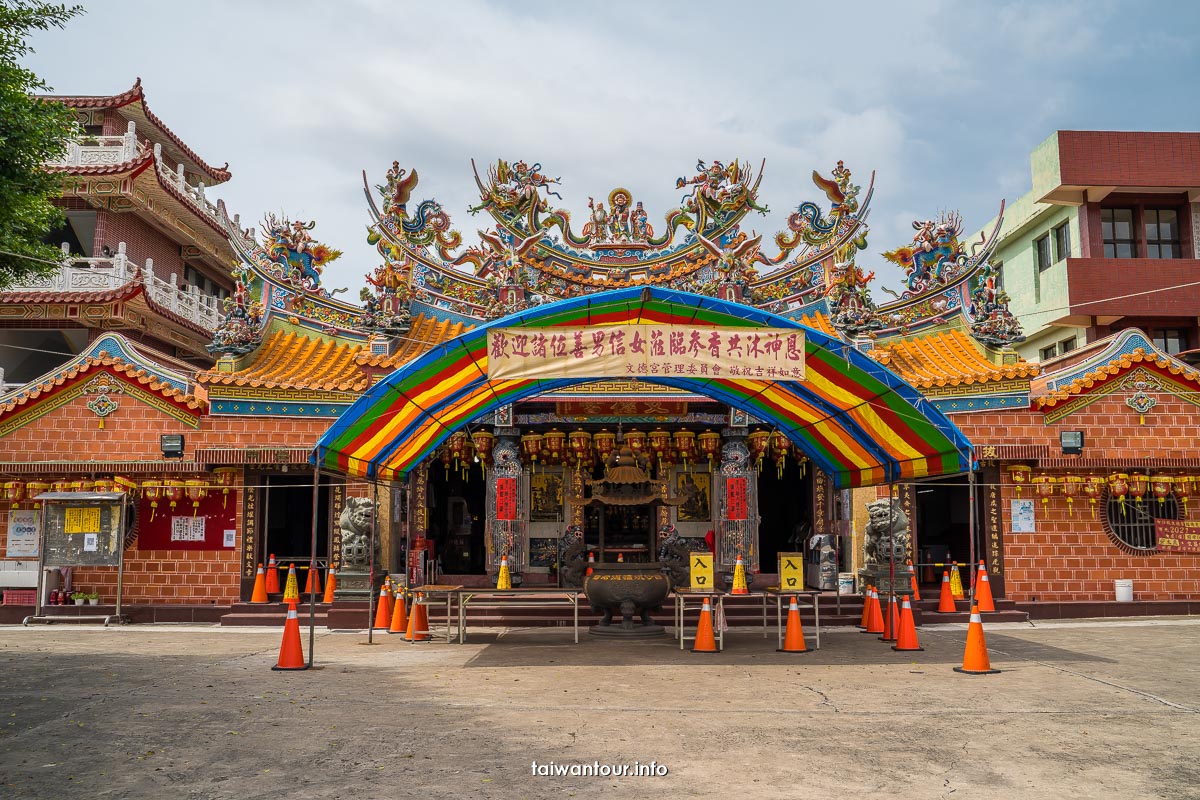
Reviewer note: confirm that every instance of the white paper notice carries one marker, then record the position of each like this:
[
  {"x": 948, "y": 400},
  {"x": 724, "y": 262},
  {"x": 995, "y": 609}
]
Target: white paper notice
[
  {"x": 230, "y": 538},
  {"x": 91, "y": 542},
  {"x": 22, "y": 533}
]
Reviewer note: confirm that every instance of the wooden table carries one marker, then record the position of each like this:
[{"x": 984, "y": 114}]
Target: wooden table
[
  {"x": 813, "y": 596},
  {"x": 682, "y": 596},
  {"x": 500, "y": 598},
  {"x": 438, "y": 589}
]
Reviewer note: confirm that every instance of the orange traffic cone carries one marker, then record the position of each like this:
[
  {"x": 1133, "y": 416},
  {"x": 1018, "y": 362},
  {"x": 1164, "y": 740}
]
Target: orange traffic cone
[
  {"x": 927, "y": 573},
  {"x": 260, "y": 586},
  {"x": 330, "y": 586},
  {"x": 891, "y": 624},
  {"x": 793, "y": 636},
  {"x": 916, "y": 590},
  {"x": 866, "y": 615},
  {"x": 906, "y": 639},
  {"x": 291, "y": 654},
  {"x": 705, "y": 641},
  {"x": 946, "y": 601},
  {"x": 983, "y": 590},
  {"x": 314, "y": 580},
  {"x": 875, "y": 620},
  {"x": 620, "y": 558},
  {"x": 383, "y": 612},
  {"x": 418, "y": 621},
  {"x": 399, "y": 615},
  {"x": 956, "y": 587},
  {"x": 272, "y": 576},
  {"x": 591, "y": 563},
  {"x": 975, "y": 657}
]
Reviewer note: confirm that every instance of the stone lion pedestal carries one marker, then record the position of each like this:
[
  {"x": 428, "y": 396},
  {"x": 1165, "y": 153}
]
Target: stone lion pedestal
[
  {"x": 354, "y": 577},
  {"x": 886, "y": 550}
]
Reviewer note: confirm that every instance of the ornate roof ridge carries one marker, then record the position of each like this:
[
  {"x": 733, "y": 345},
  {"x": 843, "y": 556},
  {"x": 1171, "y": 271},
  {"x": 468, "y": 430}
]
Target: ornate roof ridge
[
  {"x": 290, "y": 359},
  {"x": 946, "y": 358},
  {"x": 1120, "y": 364},
  {"x": 136, "y": 94}
]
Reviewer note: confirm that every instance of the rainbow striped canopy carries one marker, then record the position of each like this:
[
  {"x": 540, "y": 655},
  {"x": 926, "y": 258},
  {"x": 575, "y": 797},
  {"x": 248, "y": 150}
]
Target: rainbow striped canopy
[{"x": 859, "y": 422}]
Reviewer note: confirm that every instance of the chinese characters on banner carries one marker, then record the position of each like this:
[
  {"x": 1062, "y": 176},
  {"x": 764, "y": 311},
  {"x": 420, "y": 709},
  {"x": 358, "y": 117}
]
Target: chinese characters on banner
[
  {"x": 735, "y": 498},
  {"x": 820, "y": 503},
  {"x": 85, "y": 519},
  {"x": 1177, "y": 536},
  {"x": 506, "y": 498},
  {"x": 187, "y": 529},
  {"x": 249, "y": 531},
  {"x": 993, "y": 529},
  {"x": 634, "y": 351},
  {"x": 906, "y": 499}
]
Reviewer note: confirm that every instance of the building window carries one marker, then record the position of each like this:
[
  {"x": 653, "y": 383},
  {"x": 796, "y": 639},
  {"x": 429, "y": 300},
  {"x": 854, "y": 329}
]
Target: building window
[
  {"x": 1041, "y": 250},
  {"x": 1116, "y": 225},
  {"x": 998, "y": 271},
  {"x": 1162, "y": 233},
  {"x": 1067, "y": 345},
  {"x": 1132, "y": 523},
  {"x": 1170, "y": 340},
  {"x": 1047, "y": 353},
  {"x": 1062, "y": 241}
]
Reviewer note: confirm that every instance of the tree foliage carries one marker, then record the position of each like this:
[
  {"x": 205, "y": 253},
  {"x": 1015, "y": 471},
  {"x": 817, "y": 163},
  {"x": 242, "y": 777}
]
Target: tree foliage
[{"x": 32, "y": 132}]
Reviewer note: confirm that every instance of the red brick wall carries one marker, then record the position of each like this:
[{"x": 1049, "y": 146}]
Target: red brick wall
[
  {"x": 142, "y": 242},
  {"x": 1070, "y": 557},
  {"x": 1121, "y": 158}
]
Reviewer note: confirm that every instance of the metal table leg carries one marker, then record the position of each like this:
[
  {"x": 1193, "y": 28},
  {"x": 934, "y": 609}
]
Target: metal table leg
[
  {"x": 817, "y": 618},
  {"x": 575, "y": 602}
]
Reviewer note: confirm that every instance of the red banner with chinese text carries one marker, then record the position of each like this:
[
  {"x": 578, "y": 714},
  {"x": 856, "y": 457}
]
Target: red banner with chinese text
[
  {"x": 506, "y": 498},
  {"x": 735, "y": 498},
  {"x": 1177, "y": 536},
  {"x": 621, "y": 408}
]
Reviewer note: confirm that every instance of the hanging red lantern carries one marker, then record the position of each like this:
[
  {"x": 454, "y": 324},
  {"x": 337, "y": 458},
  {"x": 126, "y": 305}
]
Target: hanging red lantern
[
  {"x": 579, "y": 443},
  {"x": 1160, "y": 486},
  {"x": 173, "y": 491},
  {"x": 1118, "y": 487},
  {"x": 447, "y": 458},
  {"x": 152, "y": 491},
  {"x": 660, "y": 445},
  {"x": 1020, "y": 475},
  {"x": 456, "y": 445},
  {"x": 33, "y": 489},
  {"x": 225, "y": 477},
  {"x": 84, "y": 486},
  {"x": 757, "y": 442},
  {"x": 636, "y": 440},
  {"x": 685, "y": 447},
  {"x": 1138, "y": 485},
  {"x": 1182, "y": 486},
  {"x": 485, "y": 442},
  {"x": 801, "y": 458},
  {"x": 1092, "y": 486},
  {"x": 63, "y": 486},
  {"x": 1045, "y": 487},
  {"x": 531, "y": 447},
  {"x": 554, "y": 446},
  {"x": 14, "y": 492},
  {"x": 605, "y": 443},
  {"x": 1070, "y": 486},
  {"x": 196, "y": 490},
  {"x": 709, "y": 444},
  {"x": 780, "y": 446}
]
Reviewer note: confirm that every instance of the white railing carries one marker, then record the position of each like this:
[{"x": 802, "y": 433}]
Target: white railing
[
  {"x": 113, "y": 272},
  {"x": 91, "y": 151},
  {"x": 176, "y": 178}
]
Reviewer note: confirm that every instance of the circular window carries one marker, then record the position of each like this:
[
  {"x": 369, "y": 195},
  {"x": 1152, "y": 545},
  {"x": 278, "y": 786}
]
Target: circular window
[{"x": 1131, "y": 524}]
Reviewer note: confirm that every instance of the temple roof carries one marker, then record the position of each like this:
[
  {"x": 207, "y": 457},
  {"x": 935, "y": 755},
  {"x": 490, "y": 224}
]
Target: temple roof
[
  {"x": 423, "y": 334},
  {"x": 946, "y": 358},
  {"x": 291, "y": 360},
  {"x": 818, "y": 321},
  {"x": 133, "y": 105},
  {"x": 1116, "y": 367}
]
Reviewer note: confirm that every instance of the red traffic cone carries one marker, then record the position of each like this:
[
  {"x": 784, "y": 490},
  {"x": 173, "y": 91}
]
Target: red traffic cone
[
  {"x": 793, "y": 636},
  {"x": 866, "y": 615},
  {"x": 591, "y": 562},
  {"x": 313, "y": 584},
  {"x": 983, "y": 591},
  {"x": 946, "y": 601},
  {"x": 875, "y": 621},
  {"x": 399, "y": 615},
  {"x": 906, "y": 639},
  {"x": 260, "y": 586},
  {"x": 383, "y": 612},
  {"x": 916, "y": 589},
  {"x": 891, "y": 623},
  {"x": 291, "y": 654},
  {"x": 272, "y": 576},
  {"x": 330, "y": 586},
  {"x": 418, "y": 621},
  {"x": 705, "y": 641},
  {"x": 975, "y": 656}
]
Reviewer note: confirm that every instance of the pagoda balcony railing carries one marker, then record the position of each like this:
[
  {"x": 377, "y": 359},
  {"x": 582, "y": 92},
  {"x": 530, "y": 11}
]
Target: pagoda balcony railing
[{"x": 113, "y": 272}]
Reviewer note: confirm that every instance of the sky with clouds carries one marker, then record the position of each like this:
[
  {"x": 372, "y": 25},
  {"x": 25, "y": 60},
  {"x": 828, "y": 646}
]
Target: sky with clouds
[{"x": 944, "y": 100}]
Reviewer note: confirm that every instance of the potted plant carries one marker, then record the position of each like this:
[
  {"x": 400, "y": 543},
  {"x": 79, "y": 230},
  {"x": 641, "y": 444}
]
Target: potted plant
[
  {"x": 78, "y": 597},
  {"x": 93, "y": 598}
]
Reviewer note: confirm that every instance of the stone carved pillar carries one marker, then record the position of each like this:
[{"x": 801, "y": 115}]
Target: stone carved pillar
[
  {"x": 737, "y": 480},
  {"x": 505, "y": 535}
]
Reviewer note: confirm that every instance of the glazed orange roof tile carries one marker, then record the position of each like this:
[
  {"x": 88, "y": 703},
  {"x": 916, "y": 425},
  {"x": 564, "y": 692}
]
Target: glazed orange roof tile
[
  {"x": 290, "y": 360},
  {"x": 423, "y": 334},
  {"x": 946, "y": 358},
  {"x": 73, "y": 370},
  {"x": 1114, "y": 368},
  {"x": 820, "y": 322}
]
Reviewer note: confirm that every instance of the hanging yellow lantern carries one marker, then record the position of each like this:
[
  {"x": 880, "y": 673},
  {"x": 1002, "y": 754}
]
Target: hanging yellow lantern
[
  {"x": 1020, "y": 475},
  {"x": 1160, "y": 486},
  {"x": 1138, "y": 484},
  {"x": 780, "y": 446},
  {"x": 1118, "y": 486},
  {"x": 105, "y": 485},
  {"x": 225, "y": 477},
  {"x": 196, "y": 490},
  {"x": 14, "y": 492},
  {"x": 757, "y": 443},
  {"x": 554, "y": 446},
  {"x": 1045, "y": 487},
  {"x": 152, "y": 490},
  {"x": 33, "y": 489},
  {"x": 1093, "y": 485},
  {"x": 709, "y": 444},
  {"x": 172, "y": 491},
  {"x": 1070, "y": 486}
]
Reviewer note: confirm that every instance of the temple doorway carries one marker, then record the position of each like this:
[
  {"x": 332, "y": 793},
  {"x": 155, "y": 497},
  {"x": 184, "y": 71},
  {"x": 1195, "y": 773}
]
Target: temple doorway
[
  {"x": 620, "y": 533},
  {"x": 456, "y": 517},
  {"x": 943, "y": 525},
  {"x": 287, "y": 508},
  {"x": 785, "y": 506}
]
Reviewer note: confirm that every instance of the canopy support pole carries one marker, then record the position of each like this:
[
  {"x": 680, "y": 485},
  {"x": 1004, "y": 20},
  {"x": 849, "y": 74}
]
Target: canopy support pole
[{"x": 312, "y": 564}]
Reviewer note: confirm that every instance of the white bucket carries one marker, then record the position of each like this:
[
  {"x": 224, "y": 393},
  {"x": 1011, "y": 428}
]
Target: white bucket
[
  {"x": 1124, "y": 590},
  {"x": 845, "y": 583}
]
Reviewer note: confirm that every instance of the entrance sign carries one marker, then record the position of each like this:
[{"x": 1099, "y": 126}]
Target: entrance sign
[
  {"x": 1177, "y": 536},
  {"x": 631, "y": 351},
  {"x": 791, "y": 571},
  {"x": 22, "y": 533},
  {"x": 701, "y": 567}
]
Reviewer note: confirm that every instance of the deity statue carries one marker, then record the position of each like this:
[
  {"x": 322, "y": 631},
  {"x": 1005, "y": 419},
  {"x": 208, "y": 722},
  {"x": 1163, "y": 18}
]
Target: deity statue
[
  {"x": 355, "y": 525},
  {"x": 618, "y": 218},
  {"x": 597, "y": 228},
  {"x": 641, "y": 223},
  {"x": 886, "y": 533}
]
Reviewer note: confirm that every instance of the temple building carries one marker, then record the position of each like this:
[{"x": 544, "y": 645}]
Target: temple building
[{"x": 654, "y": 382}]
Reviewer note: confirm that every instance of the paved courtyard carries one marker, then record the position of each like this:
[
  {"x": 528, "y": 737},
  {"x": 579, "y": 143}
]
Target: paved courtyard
[{"x": 1100, "y": 710}]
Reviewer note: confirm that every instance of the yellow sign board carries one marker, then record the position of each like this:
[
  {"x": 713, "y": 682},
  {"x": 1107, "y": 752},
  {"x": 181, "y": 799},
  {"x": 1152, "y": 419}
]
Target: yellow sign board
[
  {"x": 701, "y": 567},
  {"x": 791, "y": 571},
  {"x": 82, "y": 520}
]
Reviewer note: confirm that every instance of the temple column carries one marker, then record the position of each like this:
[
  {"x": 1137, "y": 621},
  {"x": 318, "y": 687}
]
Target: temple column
[
  {"x": 737, "y": 526},
  {"x": 506, "y": 530}
]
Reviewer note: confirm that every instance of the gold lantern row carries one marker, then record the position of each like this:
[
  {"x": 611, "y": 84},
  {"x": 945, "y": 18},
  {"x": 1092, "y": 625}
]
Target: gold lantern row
[
  {"x": 152, "y": 489},
  {"x": 1121, "y": 487}
]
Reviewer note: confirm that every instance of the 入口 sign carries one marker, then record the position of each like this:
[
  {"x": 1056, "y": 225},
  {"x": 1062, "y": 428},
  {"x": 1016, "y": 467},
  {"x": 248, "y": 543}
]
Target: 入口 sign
[
  {"x": 791, "y": 571},
  {"x": 644, "y": 351},
  {"x": 701, "y": 566}
]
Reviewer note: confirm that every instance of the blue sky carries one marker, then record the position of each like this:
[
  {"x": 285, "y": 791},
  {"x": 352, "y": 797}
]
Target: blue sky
[{"x": 944, "y": 100}]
